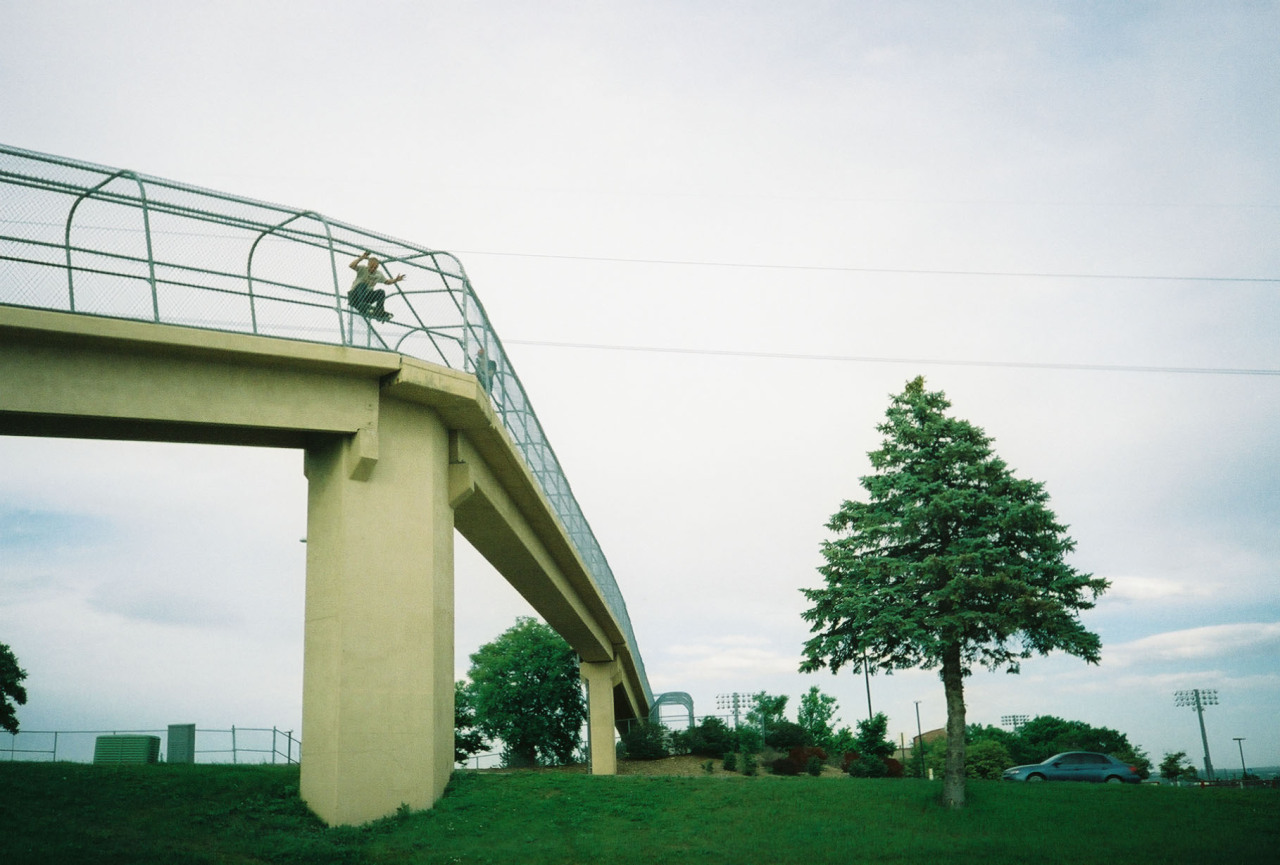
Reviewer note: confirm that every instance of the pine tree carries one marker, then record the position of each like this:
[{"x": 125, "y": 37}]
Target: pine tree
[{"x": 951, "y": 562}]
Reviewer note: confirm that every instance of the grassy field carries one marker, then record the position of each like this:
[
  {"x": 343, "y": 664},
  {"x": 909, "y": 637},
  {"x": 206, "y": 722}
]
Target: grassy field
[{"x": 75, "y": 813}]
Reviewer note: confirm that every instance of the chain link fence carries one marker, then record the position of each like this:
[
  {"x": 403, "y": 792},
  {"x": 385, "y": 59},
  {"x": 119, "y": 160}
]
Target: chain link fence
[
  {"x": 236, "y": 745},
  {"x": 89, "y": 239}
]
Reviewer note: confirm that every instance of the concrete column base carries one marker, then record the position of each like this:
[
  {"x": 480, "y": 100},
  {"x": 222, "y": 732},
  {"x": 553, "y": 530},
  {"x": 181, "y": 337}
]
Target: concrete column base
[
  {"x": 377, "y": 712},
  {"x": 601, "y": 679}
]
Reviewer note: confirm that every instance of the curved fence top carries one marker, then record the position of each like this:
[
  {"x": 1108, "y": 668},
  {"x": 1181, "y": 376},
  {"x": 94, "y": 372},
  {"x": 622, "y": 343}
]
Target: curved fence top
[{"x": 84, "y": 238}]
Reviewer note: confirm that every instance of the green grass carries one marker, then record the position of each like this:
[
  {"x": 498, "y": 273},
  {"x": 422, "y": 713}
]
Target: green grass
[{"x": 66, "y": 812}]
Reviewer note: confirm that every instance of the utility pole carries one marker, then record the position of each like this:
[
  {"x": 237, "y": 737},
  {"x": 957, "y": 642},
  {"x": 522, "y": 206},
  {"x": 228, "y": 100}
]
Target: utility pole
[
  {"x": 866, "y": 672},
  {"x": 1198, "y": 698},
  {"x": 919, "y": 739}
]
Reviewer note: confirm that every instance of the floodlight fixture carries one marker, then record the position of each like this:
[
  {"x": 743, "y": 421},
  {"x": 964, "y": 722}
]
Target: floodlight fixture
[
  {"x": 1014, "y": 721},
  {"x": 734, "y": 702}
]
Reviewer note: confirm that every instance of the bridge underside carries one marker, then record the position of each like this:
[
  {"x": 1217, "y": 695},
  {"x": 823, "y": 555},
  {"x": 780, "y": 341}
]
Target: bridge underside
[{"x": 399, "y": 453}]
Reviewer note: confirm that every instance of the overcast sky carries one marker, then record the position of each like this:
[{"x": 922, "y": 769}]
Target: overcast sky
[{"x": 715, "y": 237}]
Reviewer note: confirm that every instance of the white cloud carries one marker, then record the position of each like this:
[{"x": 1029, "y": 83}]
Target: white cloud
[
  {"x": 1144, "y": 589},
  {"x": 1210, "y": 643}
]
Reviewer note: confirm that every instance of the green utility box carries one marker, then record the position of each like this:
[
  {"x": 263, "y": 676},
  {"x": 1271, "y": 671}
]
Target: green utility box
[
  {"x": 182, "y": 743},
  {"x": 126, "y": 749}
]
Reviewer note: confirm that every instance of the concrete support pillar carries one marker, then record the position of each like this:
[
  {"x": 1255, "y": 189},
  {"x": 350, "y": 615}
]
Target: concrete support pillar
[
  {"x": 601, "y": 679},
  {"x": 377, "y": 708}
]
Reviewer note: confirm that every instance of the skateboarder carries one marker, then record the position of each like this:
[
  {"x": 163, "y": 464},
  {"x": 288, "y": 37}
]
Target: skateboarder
[{"x": 364, "y": 296}]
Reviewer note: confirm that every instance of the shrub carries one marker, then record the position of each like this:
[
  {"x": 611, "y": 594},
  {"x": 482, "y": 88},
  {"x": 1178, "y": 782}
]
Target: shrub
[
  {"x": 986, "y": 759},
  {"x": 710, "y": 738},
  {"x": 786, "y": 735},
  {"x": 870, "y": 766},
  {"x": 750, "y": 740},
  {"x": 867, "y": 767},
  {"x": 783, "y": 766},
  {"x": 799, "y": 760},
  {"x": 749, "y": 764},
  {"x": 731, "y": 762},
  {"x": 709, "y": 767},
  {"x": 646, "y": 741}
]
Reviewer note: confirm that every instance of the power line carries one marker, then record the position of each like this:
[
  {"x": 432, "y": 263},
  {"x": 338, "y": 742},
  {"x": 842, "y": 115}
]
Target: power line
[
  {"x": 898, "y": 270},
  {"x": 820, "y": 268},
  {"x": 1004, "y": 364}
]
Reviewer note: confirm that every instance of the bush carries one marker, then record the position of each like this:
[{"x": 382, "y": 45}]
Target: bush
[
  {"x": 731, "y": 762},
  {"x": 710, "y": 738},
  {"x": 750, "y": 740},
  {"x": 865, "y": 766},
  {"x": 870, "y": 766},
  {"x": 786, "y": 735},
  {"x": 799, "y": 760},
  {"x": 749, "y": 764},
  {"x": 986, "y": 759},
  {"x": 646, "y": 741}
]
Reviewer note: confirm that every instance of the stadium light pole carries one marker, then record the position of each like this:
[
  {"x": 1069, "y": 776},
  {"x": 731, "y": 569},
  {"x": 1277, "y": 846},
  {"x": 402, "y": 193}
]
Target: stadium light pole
[
  {"x": 1243, "y": 769},
  {"x": 1198, "y": 698}
]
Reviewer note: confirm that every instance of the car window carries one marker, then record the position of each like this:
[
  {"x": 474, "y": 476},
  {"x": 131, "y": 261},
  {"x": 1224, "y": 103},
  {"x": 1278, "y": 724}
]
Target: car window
[{"x": 1096, "y": 758}]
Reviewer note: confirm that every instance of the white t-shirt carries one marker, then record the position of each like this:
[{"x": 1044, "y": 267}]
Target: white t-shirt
[{"x": 367, "y": 278}]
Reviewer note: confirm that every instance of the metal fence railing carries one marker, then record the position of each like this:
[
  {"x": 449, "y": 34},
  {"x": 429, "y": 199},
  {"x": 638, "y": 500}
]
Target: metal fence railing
[
  {"x": 236, "y": 745},
  {"x": 94, "y": 240}
]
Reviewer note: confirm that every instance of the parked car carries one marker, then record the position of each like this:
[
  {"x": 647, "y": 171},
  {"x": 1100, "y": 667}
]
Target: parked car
[{"x": 1076, "y": 766}]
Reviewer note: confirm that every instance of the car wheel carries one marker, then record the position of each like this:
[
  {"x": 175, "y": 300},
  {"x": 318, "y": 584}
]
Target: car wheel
[
  {"x": 1114, "y": 779},
  {"x": 1035, "y": 777}
]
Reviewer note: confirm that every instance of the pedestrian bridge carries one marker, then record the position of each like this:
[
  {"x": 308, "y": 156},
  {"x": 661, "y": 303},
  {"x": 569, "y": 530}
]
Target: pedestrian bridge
[{"x": 133, "y": 307}]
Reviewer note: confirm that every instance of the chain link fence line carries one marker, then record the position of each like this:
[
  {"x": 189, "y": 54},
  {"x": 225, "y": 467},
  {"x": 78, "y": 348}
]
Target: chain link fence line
[
  {"x": 243, "y": 744},
  {"x": 89, "y": 239}
]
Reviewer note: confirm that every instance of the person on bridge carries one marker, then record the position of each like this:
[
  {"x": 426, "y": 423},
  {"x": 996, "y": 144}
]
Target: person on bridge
[
  {"x": 364, "y": 296},
  {"x": 486, "y": 369}
]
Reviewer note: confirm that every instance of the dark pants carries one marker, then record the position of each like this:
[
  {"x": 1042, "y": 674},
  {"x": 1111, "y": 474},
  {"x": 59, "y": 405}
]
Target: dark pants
[{"x": 367, "y": 300}]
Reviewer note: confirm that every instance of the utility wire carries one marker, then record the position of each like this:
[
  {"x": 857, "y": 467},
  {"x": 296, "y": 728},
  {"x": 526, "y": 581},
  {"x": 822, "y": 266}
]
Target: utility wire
[
  {"x": 903, "y": 270},
  {"x": 1089, "y": 367},
  {"x": 794, "y": 267}
]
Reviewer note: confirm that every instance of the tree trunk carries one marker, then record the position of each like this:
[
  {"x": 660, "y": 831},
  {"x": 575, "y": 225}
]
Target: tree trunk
[{"x": 953, "y": 686}]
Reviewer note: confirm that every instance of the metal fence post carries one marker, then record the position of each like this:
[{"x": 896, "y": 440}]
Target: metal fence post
[{"x": 233, "y": 744}]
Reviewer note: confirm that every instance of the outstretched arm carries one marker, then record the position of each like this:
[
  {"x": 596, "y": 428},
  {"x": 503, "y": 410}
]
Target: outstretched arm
[{"x": 356, "y": 263}]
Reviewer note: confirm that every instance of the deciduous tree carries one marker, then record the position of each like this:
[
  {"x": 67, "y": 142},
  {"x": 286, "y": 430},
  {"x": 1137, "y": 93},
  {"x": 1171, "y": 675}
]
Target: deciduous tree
[
  {"x": 467, "y": 740},
  {"x": 11, "y": 690},
  {"x": 817, "y": 713},
  {"x": 952, "y": 561},
  {"x": 1175, "y": 766},
  {"x": 526, "y": 690}
]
